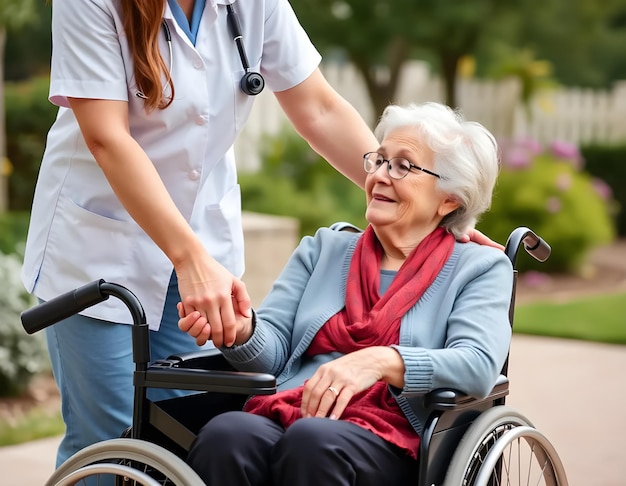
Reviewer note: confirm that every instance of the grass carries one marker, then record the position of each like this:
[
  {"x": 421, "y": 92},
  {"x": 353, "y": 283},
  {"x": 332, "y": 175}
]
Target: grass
[
  {"x": 35, "y": 425},
  {"x": 600, "y": 318}
]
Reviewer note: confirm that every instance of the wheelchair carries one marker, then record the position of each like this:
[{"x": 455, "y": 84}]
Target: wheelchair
[{"x": 466, "y": 441}]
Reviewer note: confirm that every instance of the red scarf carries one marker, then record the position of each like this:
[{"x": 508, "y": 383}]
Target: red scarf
[{"x": 369, "y": 320}]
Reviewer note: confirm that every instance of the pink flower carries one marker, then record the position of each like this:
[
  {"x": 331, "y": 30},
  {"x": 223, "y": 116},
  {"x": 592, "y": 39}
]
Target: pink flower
[
  {"x": 519, "y": 153},
  {"x": 531, "y": 145},
  {"x": 564, "y": 181},
  {"x": 567, "y": 151},
  {"x": 535, "y": 279},
  {"x": 553, "y": 205},
  {"x": 602, "y": 188},
  {"x": 517, "y": 158}
]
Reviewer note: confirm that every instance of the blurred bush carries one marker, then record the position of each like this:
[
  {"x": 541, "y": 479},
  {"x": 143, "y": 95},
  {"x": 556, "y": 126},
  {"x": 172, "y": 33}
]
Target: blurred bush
[
  {"x": 22, "y": 356},
  {"x": 547, "y": 190},
  {"x": 295, "y": 181},
  {"x": 543, "y": 188},
  {"x": 13, "y": 230},
  {"x": 608, "y": 162},
  {"x": 29, "y": 116}
]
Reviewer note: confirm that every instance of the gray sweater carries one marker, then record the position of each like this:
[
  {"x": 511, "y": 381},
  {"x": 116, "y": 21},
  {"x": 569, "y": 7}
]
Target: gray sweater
[{"x": 456, "y": 336}]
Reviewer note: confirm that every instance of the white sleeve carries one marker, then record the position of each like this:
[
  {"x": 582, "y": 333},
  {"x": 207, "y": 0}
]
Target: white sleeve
[
  {"x": 289, "y": 57},
  {"x": 87, "y": 59}
]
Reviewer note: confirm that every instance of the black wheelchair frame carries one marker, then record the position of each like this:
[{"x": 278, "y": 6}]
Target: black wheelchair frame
[{"x": 173, "y": 424}]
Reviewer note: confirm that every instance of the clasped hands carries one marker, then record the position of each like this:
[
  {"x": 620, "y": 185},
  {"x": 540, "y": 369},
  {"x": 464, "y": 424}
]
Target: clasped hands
[{"x": 214, "y": 305}]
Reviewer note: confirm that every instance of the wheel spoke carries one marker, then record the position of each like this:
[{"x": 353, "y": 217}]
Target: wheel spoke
[
  {"x": 486, "y": 454},
  {"x": 144, "y": 458}
]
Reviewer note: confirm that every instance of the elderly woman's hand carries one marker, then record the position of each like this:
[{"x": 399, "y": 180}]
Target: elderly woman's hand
[
  {"x": 329, "y": 391},
  {"x": 196, "y": 325}
]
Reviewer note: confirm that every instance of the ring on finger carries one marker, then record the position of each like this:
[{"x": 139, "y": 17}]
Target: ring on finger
[{"x": 334, "y": 391}]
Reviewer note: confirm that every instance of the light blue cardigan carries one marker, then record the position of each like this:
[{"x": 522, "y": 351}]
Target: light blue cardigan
[{"x": 456, "y": 336}]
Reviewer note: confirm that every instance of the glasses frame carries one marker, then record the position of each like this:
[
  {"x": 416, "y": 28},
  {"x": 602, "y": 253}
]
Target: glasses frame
[{"x": 383, "y": 160}]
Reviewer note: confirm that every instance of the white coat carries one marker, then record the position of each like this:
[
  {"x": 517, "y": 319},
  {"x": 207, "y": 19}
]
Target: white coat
[{"x": 79, "y": 231}]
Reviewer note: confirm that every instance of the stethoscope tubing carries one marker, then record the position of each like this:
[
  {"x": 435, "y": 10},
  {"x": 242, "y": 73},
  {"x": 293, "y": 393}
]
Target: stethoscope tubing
[{"x": 252, "y": 83}]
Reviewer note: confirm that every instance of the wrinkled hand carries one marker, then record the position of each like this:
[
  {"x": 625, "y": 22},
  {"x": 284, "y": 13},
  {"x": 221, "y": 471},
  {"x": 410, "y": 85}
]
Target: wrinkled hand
[
  {"x": 194, "y": 324},
  {"x": 197, "y": 326},
  {"x": 328, "y": 392},
  {"x": 478, "y": 237},
  {"x": 217, "y": 296}
]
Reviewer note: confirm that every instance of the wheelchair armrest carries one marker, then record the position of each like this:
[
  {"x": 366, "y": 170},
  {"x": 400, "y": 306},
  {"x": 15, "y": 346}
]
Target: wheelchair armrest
[
  {"x": 208, "y": 380},
  {"x": 205, "y": 359},
  {"x": 205, "y": 370},
  {"x": 449, "y": 399}
]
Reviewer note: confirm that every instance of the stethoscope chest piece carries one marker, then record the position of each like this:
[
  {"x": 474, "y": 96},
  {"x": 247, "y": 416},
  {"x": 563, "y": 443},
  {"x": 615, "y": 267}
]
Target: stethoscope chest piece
[{"x": 252, "y": 83}]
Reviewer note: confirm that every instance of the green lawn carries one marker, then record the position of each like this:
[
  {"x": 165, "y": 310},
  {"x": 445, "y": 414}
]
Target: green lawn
[
  {"x": 601, "y": 318},
  {"x": 35, "y": 425}
]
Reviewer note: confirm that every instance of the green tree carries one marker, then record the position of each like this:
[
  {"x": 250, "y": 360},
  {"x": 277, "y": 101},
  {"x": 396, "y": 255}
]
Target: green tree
[
  {"x": 577, "y": 37},
  {"x": 14, "y": 14},
  {"x": 379, "y": 36},
  {"x": 583, "y": 40},
  {"x": 28, "y": 49}
]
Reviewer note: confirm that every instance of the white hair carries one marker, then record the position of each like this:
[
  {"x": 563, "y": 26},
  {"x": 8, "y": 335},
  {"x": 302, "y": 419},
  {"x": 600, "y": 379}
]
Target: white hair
[{"x": 466, "y": 156}]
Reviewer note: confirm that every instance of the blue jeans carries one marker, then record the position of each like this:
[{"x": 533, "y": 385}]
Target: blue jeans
[{"x": 93, "y": 367}]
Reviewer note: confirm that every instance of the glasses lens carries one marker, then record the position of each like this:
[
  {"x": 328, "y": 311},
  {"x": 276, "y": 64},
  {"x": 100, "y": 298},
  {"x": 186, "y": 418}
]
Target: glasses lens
[
  {"x": 372, "y": 161},
  {"x": 399, "y": 168}
]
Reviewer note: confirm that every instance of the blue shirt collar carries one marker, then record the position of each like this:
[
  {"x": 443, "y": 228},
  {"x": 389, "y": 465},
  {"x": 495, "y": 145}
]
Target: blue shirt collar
[{"x": 189, "y": 28}]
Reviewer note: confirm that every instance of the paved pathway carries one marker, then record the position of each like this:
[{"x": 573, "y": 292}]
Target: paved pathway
[{"x": 574, "y": 392}]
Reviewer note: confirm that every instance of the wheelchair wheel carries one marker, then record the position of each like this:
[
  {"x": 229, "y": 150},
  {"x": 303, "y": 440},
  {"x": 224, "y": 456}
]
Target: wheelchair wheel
[
  {"x": 522, "y": 455},
  {"x": 148, "y": 459},
  {"x": 98, "y": 471},
  {"x": 525, "y": 457}
]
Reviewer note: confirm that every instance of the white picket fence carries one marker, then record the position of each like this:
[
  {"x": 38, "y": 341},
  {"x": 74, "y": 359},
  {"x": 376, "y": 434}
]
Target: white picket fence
[{"x": 579, "y": 116}]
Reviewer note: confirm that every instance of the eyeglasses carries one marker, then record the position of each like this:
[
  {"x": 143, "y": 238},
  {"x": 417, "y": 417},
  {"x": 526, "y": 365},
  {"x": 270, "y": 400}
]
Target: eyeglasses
[{"x": 397, "y": 167}]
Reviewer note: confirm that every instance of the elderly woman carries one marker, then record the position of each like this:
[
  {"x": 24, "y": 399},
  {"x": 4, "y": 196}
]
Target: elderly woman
[{"x": 358, "y": 326}]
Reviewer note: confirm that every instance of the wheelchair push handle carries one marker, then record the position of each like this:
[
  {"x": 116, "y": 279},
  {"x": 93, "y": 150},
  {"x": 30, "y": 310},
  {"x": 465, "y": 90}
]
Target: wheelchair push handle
[
  {"x": 533, "y": 244},
  {"x": 61, "y": 307},
  {"x": 77, "y": 300}
]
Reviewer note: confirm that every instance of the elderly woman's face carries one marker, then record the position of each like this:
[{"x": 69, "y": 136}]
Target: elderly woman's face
[{"x": 411, "y": 205}]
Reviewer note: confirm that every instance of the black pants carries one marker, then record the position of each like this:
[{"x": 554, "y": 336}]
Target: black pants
[{"x": 242, "y": 449}]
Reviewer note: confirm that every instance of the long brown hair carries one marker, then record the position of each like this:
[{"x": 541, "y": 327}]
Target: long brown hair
[{"x": 142, "y": 24}]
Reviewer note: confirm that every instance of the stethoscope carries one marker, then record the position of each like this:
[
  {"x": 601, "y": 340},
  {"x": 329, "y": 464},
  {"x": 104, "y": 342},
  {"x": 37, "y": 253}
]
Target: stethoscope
[{"x": 251, "y": 83}]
